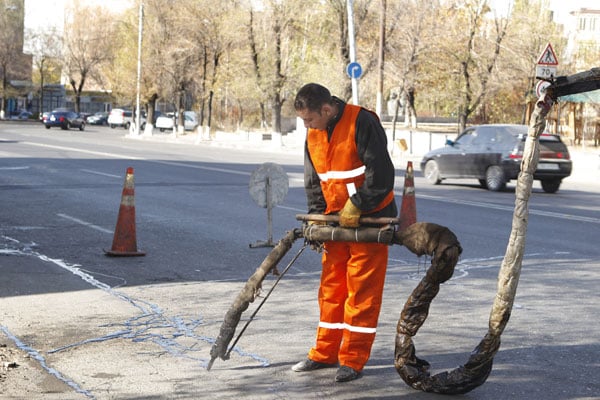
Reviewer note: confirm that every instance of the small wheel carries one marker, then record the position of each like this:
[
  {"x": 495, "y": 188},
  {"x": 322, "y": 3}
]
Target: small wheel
[
  {"x": 82, "y": 127},
  {"x": 126, "y": 125},
  {"x": 432, "y": 173},
  {"x": 551, "y": 185},
  {"x": 47, "y": 126},
  {"x": 112, "y": 126},
  {"x": 494, "y": 178}
]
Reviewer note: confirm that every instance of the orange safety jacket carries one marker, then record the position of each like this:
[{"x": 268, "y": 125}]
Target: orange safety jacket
[{"x": 337, "y": 163}]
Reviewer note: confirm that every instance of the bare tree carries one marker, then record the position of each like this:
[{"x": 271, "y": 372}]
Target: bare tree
[
  {"x": 529, "y": 19},
  {"x": 175, "y": 58},
  {"x": 270, "y": 37},
  {"x": 212, "y": 39},
  {"x": 412, "y": 35},
  {"x": 121, "y": 74},
  {"x": 366, "y": 33},
  {"x": 471, "y": 52},
  {"x": 340, "y": 13},
  {"x": 445, "y": 57},
  {"x": 45, "y": 46},
  {"x": 86, "y": 46}
]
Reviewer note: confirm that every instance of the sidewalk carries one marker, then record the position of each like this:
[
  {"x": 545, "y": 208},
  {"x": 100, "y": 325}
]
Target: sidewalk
[{"x": 586, "y": 164}]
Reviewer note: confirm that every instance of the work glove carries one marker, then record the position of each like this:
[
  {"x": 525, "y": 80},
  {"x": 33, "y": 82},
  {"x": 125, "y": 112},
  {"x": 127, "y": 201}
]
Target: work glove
[{"x": 349, "y": 215}]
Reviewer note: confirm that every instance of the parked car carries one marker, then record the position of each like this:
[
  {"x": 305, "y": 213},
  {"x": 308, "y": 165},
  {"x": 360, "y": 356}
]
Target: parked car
[
  {"x": 44, "y": 116},
  {"x": 119, "y": 117},
  {"x": 85, "y": 115},
  {"x": 22, "y": 115},
  {"x": 64, "y": 120},
  {"x": 492, "y": 154},
  {"x": 166, "y": 122},
  {"x": 155, "y": 116},
  {"x": 99, "y": 118}
]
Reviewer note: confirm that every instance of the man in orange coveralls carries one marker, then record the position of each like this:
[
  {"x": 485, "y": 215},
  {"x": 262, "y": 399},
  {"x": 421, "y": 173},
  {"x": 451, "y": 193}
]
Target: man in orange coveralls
[{"x": 347, "y": 170}]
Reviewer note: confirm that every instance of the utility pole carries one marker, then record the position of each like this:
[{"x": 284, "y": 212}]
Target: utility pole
[
  {"x": 379, "y": 105},
  {"x": 139, "y": 69},
  {"x": 351, "y": 43}
]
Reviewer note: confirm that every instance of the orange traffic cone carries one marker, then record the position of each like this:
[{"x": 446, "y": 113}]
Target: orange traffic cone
[
  {"x": 124, "y": 241},
  {"x": 408, "y": 210}
]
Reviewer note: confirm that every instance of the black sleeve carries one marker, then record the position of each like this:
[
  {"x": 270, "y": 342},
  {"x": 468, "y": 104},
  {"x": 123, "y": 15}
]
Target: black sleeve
[
  {"x": 371, "y": 142},
  {"x": 312, "y": 185}
]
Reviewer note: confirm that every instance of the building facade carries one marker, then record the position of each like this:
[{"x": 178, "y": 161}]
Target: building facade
[
  {"x": 579, "y": 115},
  {"x": 15, "y": 65}
]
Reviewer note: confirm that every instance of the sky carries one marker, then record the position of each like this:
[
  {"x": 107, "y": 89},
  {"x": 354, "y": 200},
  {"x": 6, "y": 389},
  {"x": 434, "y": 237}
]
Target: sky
[
  {"x": 49, "y": 12},
  {"x": 561, "y": 8},
  {"x": 39, "y": 13}
]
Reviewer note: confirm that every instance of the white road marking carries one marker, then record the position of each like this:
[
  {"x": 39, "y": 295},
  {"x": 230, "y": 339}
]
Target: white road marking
[
  {"x": 511, "y": 209},
  {"x": 84, "y": 223},
  {"x": 96, "y": 153},
  {"x": 101, "y": 173},
  {"x": 178, "y": 164}
]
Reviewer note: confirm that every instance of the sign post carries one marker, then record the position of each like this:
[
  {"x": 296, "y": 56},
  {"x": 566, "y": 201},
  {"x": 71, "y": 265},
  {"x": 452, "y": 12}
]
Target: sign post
[
  {"x": 546, "y": 65},
  {"x": 540, "y": 88},
  {"x": 352, "y": 48}
]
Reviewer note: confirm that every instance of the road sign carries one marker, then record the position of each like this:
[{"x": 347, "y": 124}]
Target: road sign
[
  {"x": 545, "y": 72},
  {"x": 548, "y": 57},
  {"x": 268, "y": 185},
  {"x": 354, "y": 70},
  {"x": 540, "y": 87}
]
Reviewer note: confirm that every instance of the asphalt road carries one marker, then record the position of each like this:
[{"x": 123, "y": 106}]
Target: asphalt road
[{"x": 142, "y": 327}]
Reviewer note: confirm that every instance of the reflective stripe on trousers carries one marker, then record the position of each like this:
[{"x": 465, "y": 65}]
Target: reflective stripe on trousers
[{"x": 350, "y": 300}]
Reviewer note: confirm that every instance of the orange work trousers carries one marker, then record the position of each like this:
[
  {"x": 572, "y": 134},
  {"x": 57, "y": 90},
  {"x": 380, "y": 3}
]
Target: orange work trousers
[{"x": 350, "y": 297}]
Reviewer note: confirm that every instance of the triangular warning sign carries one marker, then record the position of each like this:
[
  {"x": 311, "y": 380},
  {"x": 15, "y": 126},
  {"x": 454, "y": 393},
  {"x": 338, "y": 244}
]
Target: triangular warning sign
[{"x": 548, "y": 57}]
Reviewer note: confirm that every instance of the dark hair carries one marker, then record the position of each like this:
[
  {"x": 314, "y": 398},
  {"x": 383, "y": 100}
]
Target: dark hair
[{"x": 312, "y": 97}]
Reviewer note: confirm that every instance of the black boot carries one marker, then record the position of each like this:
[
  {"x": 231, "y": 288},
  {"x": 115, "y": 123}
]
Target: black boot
[{"x": 346, "y": 374}]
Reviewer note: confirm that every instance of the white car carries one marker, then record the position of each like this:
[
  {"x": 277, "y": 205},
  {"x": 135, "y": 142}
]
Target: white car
[
  {"x": 123, "y": 118},
  {"x": 165, "y": 122}
]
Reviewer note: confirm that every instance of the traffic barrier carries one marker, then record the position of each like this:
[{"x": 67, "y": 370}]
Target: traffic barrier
[
  {"x": 408, "y": 209},
  {"x": 124, "y": 240}
]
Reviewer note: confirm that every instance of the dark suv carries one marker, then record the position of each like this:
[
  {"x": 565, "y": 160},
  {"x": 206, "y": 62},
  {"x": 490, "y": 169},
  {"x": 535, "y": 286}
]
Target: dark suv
[{"x": 493, "y": 153}]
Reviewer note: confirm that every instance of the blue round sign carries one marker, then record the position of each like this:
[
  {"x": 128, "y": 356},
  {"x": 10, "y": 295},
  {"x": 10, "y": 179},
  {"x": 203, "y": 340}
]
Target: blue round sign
[{"x": 354, "y": 70}]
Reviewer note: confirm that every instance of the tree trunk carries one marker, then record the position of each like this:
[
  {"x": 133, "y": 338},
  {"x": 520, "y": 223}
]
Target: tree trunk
[
  {"x": 462, "y": 121},
  {"x": 277, "y": 104},
  {"x": 209, "y": 117},
  {"x": 151, "y": 106}
]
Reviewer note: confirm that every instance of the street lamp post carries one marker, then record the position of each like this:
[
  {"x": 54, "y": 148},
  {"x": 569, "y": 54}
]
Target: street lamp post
[
  {"x": 139, "y": 69},
  {"x": 352, "y": 48}
]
